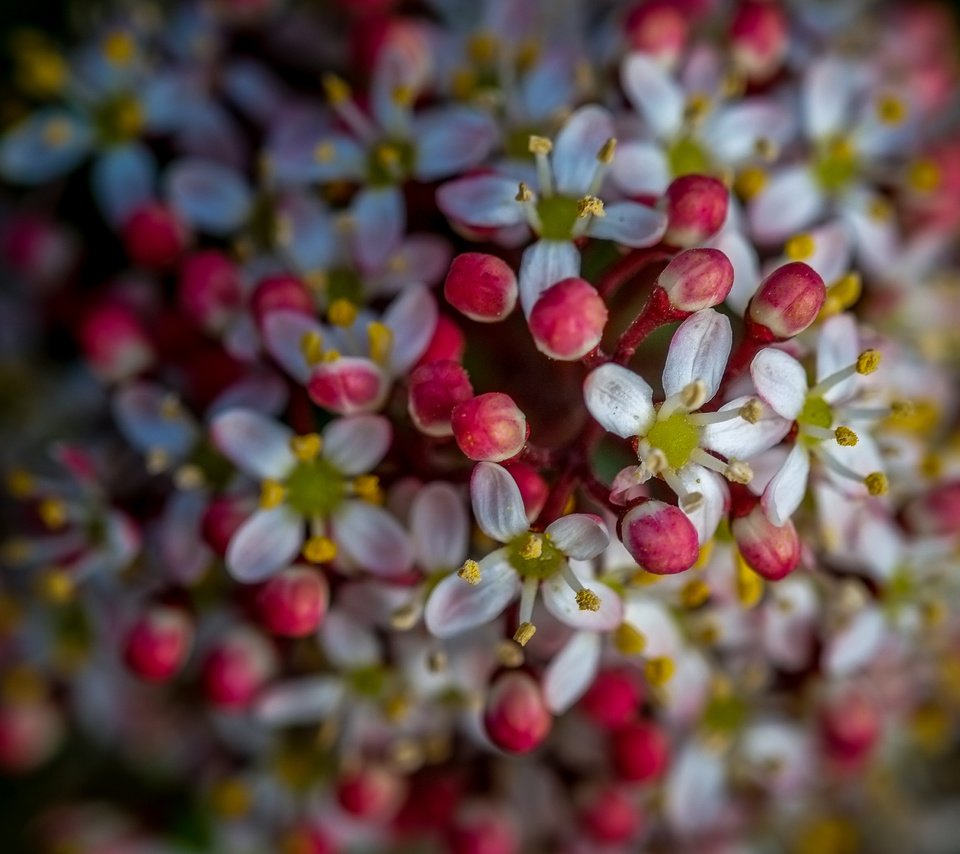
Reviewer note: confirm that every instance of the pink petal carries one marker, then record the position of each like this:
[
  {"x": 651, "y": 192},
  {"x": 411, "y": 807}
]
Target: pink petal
[{"x": 579, "y": 535}]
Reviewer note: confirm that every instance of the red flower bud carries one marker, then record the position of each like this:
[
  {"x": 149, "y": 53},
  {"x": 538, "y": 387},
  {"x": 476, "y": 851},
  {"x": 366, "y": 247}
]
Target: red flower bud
[
  {"x": 696, "y": 209},
  {"x": 483, "y": 287},
  {"x": 660, "y": 538},
  {"x": 657, "y": 28},
  {"x": 294, "y": 602},
  {"x": 613, "y": 699},
  {"x": 30, "y": 733},
  {"x": 935, "y": 513},
  {"x": 787, "y": 302},
  {"x": 159, "y": 643},
  {"x": 210, "y": 289},
  {"x": 223, "y": 516},
  {"x": 640, "y": 752},
  {"x": 768, "y": 550},
  {"x": 154, "y": 237},
  {"x": 435, "y": 389},
  {"x": 516, "y": 716},
  {"x": 348, "y": 385},
  {"x": 849, "y": 728},
  {"x": 372, "y": 792},
  {"x": 758, "y": 36},
  {"x": 489, "y": 427},
  {"x": 281, "y": 292},
  {"x": 567, "y": 321},
  {"x": 697, "y": 279},
  {"x": 114, "y": 342},
  {"x": 533, "y": 488},
  {"x": 237, "y": 668},
  {"x": 447, "y": 343},
  {"x": 609, "y": 815},
  {"x": 483, "y": 830}
]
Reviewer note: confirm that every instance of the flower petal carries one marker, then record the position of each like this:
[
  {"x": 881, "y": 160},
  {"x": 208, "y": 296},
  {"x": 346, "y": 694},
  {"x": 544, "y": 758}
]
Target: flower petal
[
  {"x": 497, "y": 502},
  {"x": 571, "y": 671},
  {"x": 630, "y": 224},
  {"x": 579, "y": 535},
  {"x": 455, "y": 606},
  {"x": 355, "y": 444},
  {"x": 838, "y": 347},
  {"x": 348, "y": 642},
  {"x": 123, "y": 179},
  {"x": 620, "y": 400},
  {"x": 265, "y": 543},
  {"x": 746, "y": 268},
  {"x": 450, "y": 140},
  {"x": 544, "y": 264},
  {"x": 640, "y": 169},
  {"x": 854, "y": 646},
  {"x": 208, "y": 196},
  {"x": 371, "y": 538},
  {"x": 254, "y": 443},
  {"x": 780, "y": 381},
  {"x": 43, "y": 147},
  {"x": 560, "y": 599},
  {"x": 732, "y": 133},
  {"x": 439, "y": 527},
  {"x": 412, "y": 318},
  {"x": 653, "y": 93},
  {"x": 576, "y": 148},
  {"x": 790, "y": 202},
  {"x": 698, "y": 351},
  {"x": 828, "y": 93},
  {"x": 716, "y": 499},
  {"x": 283, "y": 334},
  {"x": 141, "y": 410},
  {"x": 379, "y": 218},
  {"x": 309, "y": 700},
  {"x": 654, "y": 622},
  {"x": 486, "y": 201},
  {"x": 784, "y": 494},
  {"x": 741, "y": 440}
]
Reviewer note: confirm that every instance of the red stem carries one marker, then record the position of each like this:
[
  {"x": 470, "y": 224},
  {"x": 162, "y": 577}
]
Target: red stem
[
  {"x": 655, "y": 314},
  {"x": 627, "y": 267}
]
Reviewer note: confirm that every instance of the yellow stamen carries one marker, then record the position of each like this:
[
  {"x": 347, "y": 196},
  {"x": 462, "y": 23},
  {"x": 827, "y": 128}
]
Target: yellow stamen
[
  {"x": 482, "y": 48},
  {"x": 539, "y": 145},
  {"x": 694, "y": 593},
  {"x": 22, "y": 684},
  {"x": 403, "y": 96},
  {"x": 846, "y": 437},
  {"x": 629, "y": 640},
  {"x": 367, "y": 488},
  {"x": 470, "y": 572},
  {"x": 119, "y": 47},
  {"x": 841, "y": 295},
  {"x": 590, "y": 206},
  {"x": 41, "y": 72},
  {"x": 381, "y": 341},
  {"x": 272, "y": 494},
  {"x": 57, "y": 132},
  {"x": 57, "y": 586},
  {"x": 868, "y": 361},
  {"x": 737, "y": 471},
  {"x": 396, "y": 707},
  {"x": 749, "y": 584},
  {"x": 463, "y": 83},
  {"x": 509, "y": 654},
  {"x": 53, "y": 512},
  {"x": 232, "y": 798},
  {"x": 659, "y": 671},
  {"x": 924, "y": 176},
  {"x": 751, "y": 411},
  {"x": 750, "y": 182},
  {"x": 587, "y": 600},
  {"x": 891, "y": 110},
  {"x": 330, "y": 356},
  {"x": 324, "y": 152},
  {"x": 879, "y": 209},
  {"x": 697, "y": 106},
  {"x": 877, "y": 483},
  {"x": 342, "y": 312},
  {"x": 20, "y": 483},
  {"x": 311, "y": 345},
  {"x": 607, "y": 151},
  {"x": 189, "y": 476},
  {"x": 523, "y": 193},
  {"x": 319, "y": 550},
  {"x": 524, "y": 632},
  {"x": 706, "y": 552},
  {"x": 307, "y": 447},
  {"x": 532, "y": 548},
  {"x": 766, "y": 148},
  {"x": 388, "y": 155},
  {"x": 336, "y": 88},
  {"x": 800, "y": 247}
]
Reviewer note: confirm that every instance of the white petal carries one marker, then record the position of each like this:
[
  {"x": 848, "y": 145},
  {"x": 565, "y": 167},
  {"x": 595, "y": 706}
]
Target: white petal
[
  {"x": 412, "y": 318},
  {"x": 864, "y": 458},
  {"x": 348, "y": 642},
  {"x": 654, "y": 622},
  {"x": 716, "y": 498},
  {"x": 619, "y": 400},
  {"x": 787, "y": 487},
  {"x": 139, "y": 410},
  {"x": 833, "y": 247},
  {"x": 450, "y": 140},
  {"x": 300, "y": 701},
  {"x": 379, "y": 217},
  {"x": 571, "y": 671},
  {"x": 486, "y": 201},
  {"x": 640, "y": 169},
  {"x": 576, "y": 148},
  {"x": 356, "y": 444},
  {"x": 560, "y": 600},
  {"x": 254, "y": 443},
  {"x": 746, "y": 268},
  {"x": 439, "y": 527},
  {"x": 731, "y": 134},
  {"x": 283, "y": 332},
  {"x": 579, "y": 535},
  {"x": 828, "y": 92},
  {"x": 629, "y": 223},
  {"x": 788, "y": 204},
  {"x": 268, "y": 541},
  {"x": 698, "y": 351},
  {"x": 790, "y": 622},
  {"x": 653, "y": 93},
  {"x": 542, "y": 266},
  {"x": 263, "y": 391},
  {"x": 208, "y": 195},
  {"x": 123, "y": 179},
  {"x": 741, "y": 440},
  {"x": 371, "y": 538},
  {"x": 695, "y": 792},
  {"x": 854, "y": 647},
  {"x": 780, "y": 381},
  {"x": 838, "y": 347},
  {"x": 497, "y": 502},
  {"x": 455, "y": 606}
]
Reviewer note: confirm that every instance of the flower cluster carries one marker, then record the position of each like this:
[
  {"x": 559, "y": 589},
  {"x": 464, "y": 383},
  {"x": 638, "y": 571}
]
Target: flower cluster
[{"x": 487, "y": 426}]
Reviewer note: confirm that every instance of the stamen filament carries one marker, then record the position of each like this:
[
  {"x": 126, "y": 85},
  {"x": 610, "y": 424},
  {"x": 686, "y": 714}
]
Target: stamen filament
[{"x": 527, "y": 599}]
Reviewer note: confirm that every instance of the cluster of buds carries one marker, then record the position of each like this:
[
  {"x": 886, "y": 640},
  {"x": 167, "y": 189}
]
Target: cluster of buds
[{"x": 505, "y": 428}]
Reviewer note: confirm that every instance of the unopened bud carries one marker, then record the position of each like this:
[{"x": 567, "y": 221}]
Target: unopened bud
[
  {"x": 758, "y": 37},
  {"x": 768, "y": 550},
  {"x": 348, "y": 385},
  {"x": 568, "y": 320},
  {"x": 640, "y": 752},
  {"x": 609, "y": 814},
  {"x": 660, "y": 538},
  {"x": 293, "y": 603},
  {"x": 697, "y": 279},
  {"x": 435, "y": 389},
  {"x": 209, "y": 289},
  {"x": 371, "y": 792},
  {"x": 483, "y": 287},
  {"x": 657, "y": 28},
  {"x": 237, "y": 668},
  {"x": 516, "y": 716},
  {"x": 533, "y": 488},
  {"x": 158, "y": 643},
  {"x": 787, "y": 301},
  {"x": 114, "y": 342},
  {"x": 614, "y": 698},
  {"x": 281, "y": 293},
  {"x": 154, "y": 237},
  {"x": 489, "y": 427},
  {"x": 936, "y": 513},
  {"x": 696, "y": 209}
]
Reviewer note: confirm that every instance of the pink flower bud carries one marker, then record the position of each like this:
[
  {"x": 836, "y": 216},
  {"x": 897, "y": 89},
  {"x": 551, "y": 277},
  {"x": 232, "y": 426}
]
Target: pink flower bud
[
  {"x": 210, "y": 289},
  {"x": 159, "y": 643},
  {"x": 237, "y": 668},
  {"x": 849, "y": 728},
  {"x": 768, "y": 550},
  {"x": 38, "y": 248},
  {"x": 696, "y": 209},
  {"x": 657, "y": 28},
  {"x": 609, "y": 815},
  {"x": 307, "y": 839},
  {"x": 787, "y": 302},
  {"x": 567, "y": 321},
  {"x": 516, "y": 716},
  {"x": 281, "y": 292},
  {"x": 30, "y": 733},
  {"x": 697, "y": 279},
  {"x": 447, "y": 343},
  {"x": 223, "y": 516},
  {"x": 489, "y": 427},
  {"x": 154, "y": 237},
  {"x": 533, "y": 488},
  {"x": 294, "y": 602},
  {"x": 348, "y": 385},
  {"x": 660, "y": 537},
  {"x": 114, "y": 342},
  {"x": 371, "y": 792},
  {"x": 758, "y": 36},
  {"x": 483, "y": 287},
  {"x": 640, "y": 752},
  {"x": 935, "y": 513},
  {"x": 614, "y": 698},
  {"x": 435, "y": 389}
]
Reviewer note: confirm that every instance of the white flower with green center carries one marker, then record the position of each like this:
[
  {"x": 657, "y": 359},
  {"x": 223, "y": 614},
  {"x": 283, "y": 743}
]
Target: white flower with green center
[
  {"x": 563, "y": 207},
  {"x": 823, "y": 414},
  {"x": 529, "y": 561},
  {"x": 674, "y": 439},
  {"x": 315, "y": 481}
]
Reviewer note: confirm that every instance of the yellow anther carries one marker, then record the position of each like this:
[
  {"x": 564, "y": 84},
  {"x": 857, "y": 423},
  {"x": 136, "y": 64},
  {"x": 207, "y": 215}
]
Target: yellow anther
[
  {"x": 319, "y": 550},
  {"x": 697, "y": 106},
  {"x": 380, "y": 337},
  {"x": 20, "y": 483},
  {"x": 749, "y": 584},
  {"x": 53, "y": 512},
  {"x": 342, "y": 312},
  {"x": 706, "y": 552},
  {"x": 523, "y": 193},
  {"x": 846, "y": 437},
  {"x": 766, "y": 148},
  {"x": 41, "y": 72},
  {"x": 902, "y": 409},
  {"x": 587, "y": 600},
  {"x": 733, "y": 84},
  {"x": 311, "y": 345},
  {"x": 22, "y": 684},
  {"x": 879, "y": 209},
  {"x": 57, "y": 586},
  {"x": 800, "y": 247},
  {"x": 336, "y": 88},
  {"x": 396, "y": 707},
  {"x": 119, "y": 47},
  {"x": 629, "y": 640},
  {"x": 482, "y": 48},
  {"x": 877, "y": 483},
  {"x": 694, "y": 395},
  {"x": 367, "y": 488},
  {"x": 524, "y": 632},
  {"x": 842, "y": 148},
  {"x": 931, "y": 465},
  {"x": 509, "y": 654},
  {"x": 128, "y": 118},
  {"x": 403, "y": 96},
  {"x": 694, "y": 593},
  {"x": 189, "y": 476},
  {"x": 738, "y": 471},
  {"x": 590, "y": 206},
  {"x": 306, "y": 447},
  {"x": 470, "y": 572},
  {"x": 57, "y": 132},
  {"x": 539, "y": 145},
  {"x": 170, "y": 407},
  {"x": 750, "y": 182},
  {"x": 330, "y": 356},
  {"x": 846, "y": 290},
  {"x": 324, "y": 152},
  {"x": 272, "y": 494},
  {"x": 437, "y": 661},
  {"x": 527, "y": 55},
  {"x": 388, "y": 155},
  {"x": 317, "y": 282},
  {"x": 232, "y": 798},
  {"x": 868, "y": 361},
  {"x": 924, "y": 176},
  {"x": 607, "y": 151},
  {"x": 751, "y": 411},
  {"x": 405, "y": 617},
  {"x": 933, "y": 613},
  {"x": 463, "y": 83},
  {"x": 659, "y": 671},
  {"x": 891, "y": 110},
  {"x": 532, "y": 548}
]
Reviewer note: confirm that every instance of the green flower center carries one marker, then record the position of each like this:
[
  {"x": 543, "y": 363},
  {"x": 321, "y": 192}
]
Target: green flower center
[
  {"x": 314, "y": 488},
  {"x": 836, "y": 165},
  {"x": 535, "y": 556},
  {"x": 118, "y": 119},
  {"x": 558, "y": 216},
  {"x": 367, "y": 681},
  {"x": 390, "y": 162},
  {"x": 686, "y": 156},
  {"x": 344, "y": 284},
  {"x": 816, "y": 412},
  {"x": 677, "y": 437},
  {"x": 517, "y": 143}
]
